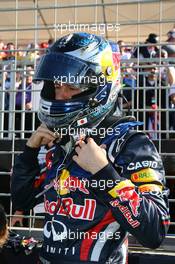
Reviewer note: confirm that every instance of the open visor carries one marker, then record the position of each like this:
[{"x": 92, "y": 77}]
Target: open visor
[{"x": 63, "y": 68}]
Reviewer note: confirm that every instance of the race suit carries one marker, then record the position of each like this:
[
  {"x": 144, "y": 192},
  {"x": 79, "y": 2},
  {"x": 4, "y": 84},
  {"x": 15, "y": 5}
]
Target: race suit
[{"x": 88, "y": 217}]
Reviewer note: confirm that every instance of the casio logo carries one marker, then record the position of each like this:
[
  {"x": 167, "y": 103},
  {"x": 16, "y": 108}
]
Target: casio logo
[{"x": 142, "y": 164}]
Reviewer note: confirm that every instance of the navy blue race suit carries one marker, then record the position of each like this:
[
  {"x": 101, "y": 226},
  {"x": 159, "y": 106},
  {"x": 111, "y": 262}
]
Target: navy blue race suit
[{"x": 88, "y": 217}]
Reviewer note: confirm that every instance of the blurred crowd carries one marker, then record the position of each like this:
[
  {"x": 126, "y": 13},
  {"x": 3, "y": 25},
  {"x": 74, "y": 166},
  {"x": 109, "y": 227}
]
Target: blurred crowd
[
  {"x": 18, "y": 79},
  {"x": 29, "y": 53},
  {"x": 148, "y": 81}
]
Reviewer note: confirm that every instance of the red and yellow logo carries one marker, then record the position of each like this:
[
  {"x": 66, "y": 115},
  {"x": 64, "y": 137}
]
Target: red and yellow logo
[
  {"x": 67, "y": 183},
  {"x": 150, "y": 188},
  {"x": 121, "y": 187},
  {"x": 145, "y": 175}
]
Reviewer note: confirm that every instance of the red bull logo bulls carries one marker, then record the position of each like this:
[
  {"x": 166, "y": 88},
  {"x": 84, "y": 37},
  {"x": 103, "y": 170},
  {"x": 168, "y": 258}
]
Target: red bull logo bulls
[
  {"x": 128, "y": 194},
  {"x": 66, "y": 183}
]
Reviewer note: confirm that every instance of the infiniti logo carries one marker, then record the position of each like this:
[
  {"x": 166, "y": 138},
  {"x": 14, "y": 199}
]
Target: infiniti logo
[{"x": 53, "y": 228}]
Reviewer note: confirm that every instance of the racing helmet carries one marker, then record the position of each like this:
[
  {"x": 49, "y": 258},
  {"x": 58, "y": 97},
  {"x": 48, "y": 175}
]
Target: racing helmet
[{"x": 88, "y": 62}]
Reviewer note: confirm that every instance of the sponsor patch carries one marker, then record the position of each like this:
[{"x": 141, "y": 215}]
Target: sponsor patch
[
  {"x": 116, "y": 191},
  {"x": 142, "y": 164},
  {"x": 144, "y": 175},
  {"x": 150, "y": 188},
  {"x": 61, "y": 185},
  {"x": 67, "y": 207},
  {"x": 126, "y": 213},
  {"x": 67, "y": 183}
]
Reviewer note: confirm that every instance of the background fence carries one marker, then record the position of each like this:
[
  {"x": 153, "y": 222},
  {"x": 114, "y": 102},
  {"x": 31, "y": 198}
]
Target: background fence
[{"x": 31, "y": 26}]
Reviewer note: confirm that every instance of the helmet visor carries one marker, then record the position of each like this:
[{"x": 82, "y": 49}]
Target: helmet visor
[{"x": 62, "y": 68}]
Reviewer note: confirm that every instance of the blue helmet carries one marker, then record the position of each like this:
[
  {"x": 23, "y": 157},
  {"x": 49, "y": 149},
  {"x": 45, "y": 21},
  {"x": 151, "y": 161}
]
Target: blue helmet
[{"x": 88, "y": 62}]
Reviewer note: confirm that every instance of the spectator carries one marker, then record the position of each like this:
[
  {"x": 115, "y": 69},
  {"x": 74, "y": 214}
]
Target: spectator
[
  {"x": 167, "y": 72},
  {"x": 19, "y": 94},
  {"x": 148, "y": 98},
  {"x": 128, "y": 79},
  {"x": 2, "y": 51},
  {"x": 129, "y": 84},
  {"x": 125, "y": 53},
  {"x": 10, "y": 53},
  {"x": 3, "y": 227},
  {"x": 147, "y": 51},
  {"x": 20, "y": 55},
  {"x": 24, "y": 102},
  {"x": 31, "y": 54},
  {"x": 170, "y": 46},
  {"x": 172, "y": 106}
]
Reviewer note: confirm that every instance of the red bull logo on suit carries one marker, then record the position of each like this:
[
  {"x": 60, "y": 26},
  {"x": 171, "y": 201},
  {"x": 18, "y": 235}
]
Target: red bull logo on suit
[{"x": 67, "y": 183}]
